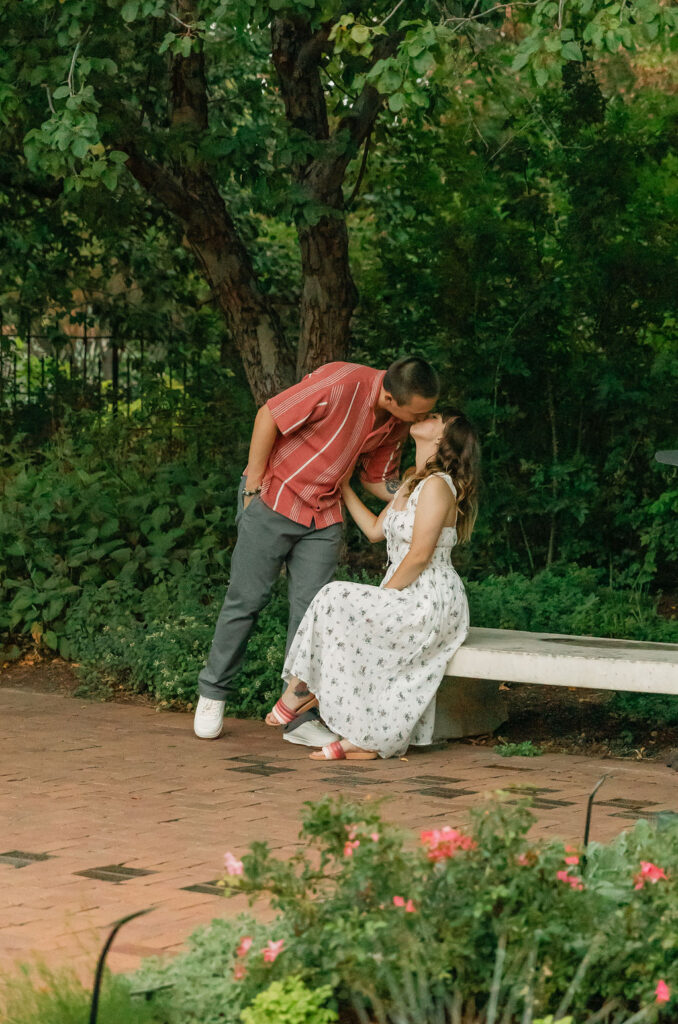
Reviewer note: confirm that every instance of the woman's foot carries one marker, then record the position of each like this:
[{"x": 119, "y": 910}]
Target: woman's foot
[
  {"x": 343, "y": 750},
  {"x": 295, "y": 701}
]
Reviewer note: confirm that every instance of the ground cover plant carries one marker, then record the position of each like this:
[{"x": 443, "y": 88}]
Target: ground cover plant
[
  {"x": 525, "y": 749},
  {"x": 481, "y": 925}
]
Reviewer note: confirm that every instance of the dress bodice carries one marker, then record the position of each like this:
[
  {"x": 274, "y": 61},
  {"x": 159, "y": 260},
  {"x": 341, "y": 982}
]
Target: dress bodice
[{"x": 399, "y": 525}]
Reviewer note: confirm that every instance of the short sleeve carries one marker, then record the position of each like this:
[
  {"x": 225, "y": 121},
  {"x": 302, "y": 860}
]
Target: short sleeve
[
  {"x": 384, "y": 462},
  {"x": 302, "y": 403}
]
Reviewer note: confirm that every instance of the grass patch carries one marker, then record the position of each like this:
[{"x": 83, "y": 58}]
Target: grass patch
[{"x": 42, "y": 996}]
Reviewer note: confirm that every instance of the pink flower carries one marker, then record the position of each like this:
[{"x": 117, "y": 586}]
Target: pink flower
[
  {"x": 571, "y": 880},
  {"x": 239, "y": 972},
  {"x": 572, "y": 860},
  {"x": 352, "y": 831},
  {"x": 349, "y": 847},
  {"x": 523, "y": 860},
  {"x": 398, "y": 901},
  {"x": 410, "y": 907},
  {"x": 445, "y": 843},
  {"x": 273, "y": 950},
  {"x": 662, "y": 991},
  {"x": 244, "y": 947},
  {"x": 232, "y": 864},
  {"x": 649, "y": 872},
  {"x": 375, "y": 837}
]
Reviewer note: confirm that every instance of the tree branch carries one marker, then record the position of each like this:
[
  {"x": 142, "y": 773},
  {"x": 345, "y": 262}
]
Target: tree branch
[
  {"x": 71, "y": 71},
  {"x": 296, "y": 57},
  {"x": 361, "y": 173},
  {"x": 158, "y": 182},
  {"x": 188, "y": 84},
  {"x": 358, "y": 122}
]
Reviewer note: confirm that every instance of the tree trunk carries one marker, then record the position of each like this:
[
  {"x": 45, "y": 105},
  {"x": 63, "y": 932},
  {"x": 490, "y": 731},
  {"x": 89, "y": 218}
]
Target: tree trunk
[
  {"x": 225, "y": 263},
  {"x": 329, "y": 295},
  {"x": 253, "y": 323}
]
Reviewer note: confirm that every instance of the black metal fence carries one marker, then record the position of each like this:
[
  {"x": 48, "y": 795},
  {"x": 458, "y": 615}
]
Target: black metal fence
[{"x": 106, "y": 373}]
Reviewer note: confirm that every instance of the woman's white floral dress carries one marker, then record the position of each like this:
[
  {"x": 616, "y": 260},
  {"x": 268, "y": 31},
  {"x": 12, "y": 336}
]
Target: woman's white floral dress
[{"x": 375, "y": 658}]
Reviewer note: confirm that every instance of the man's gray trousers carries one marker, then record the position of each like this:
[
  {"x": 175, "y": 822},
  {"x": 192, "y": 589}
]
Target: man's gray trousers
[{"x": 265, "y": 541}]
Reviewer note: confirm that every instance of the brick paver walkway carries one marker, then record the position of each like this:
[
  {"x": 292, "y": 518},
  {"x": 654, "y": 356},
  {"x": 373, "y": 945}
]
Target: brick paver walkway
[{"x": 86, "y": 786}]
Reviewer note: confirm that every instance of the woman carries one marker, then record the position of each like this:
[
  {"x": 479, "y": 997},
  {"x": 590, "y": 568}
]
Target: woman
[{"x": 372, "y": 658}]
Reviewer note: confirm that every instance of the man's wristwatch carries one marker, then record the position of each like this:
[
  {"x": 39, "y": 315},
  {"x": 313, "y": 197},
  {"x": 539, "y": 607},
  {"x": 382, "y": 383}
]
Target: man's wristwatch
[{"x": 250, "y": 494}]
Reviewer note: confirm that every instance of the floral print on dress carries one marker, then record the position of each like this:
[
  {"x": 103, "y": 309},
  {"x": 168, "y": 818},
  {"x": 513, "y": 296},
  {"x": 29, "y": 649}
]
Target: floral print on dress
[{"x": 375, "y": 658}]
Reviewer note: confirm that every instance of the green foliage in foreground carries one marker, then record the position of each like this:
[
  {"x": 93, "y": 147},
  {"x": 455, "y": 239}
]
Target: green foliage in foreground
[
  {"x": 525, "y": 749},
  {"x": 290, "y": 1002},
  {"x": 58, "y": 997},
  {"x": 462, "y": 924}
]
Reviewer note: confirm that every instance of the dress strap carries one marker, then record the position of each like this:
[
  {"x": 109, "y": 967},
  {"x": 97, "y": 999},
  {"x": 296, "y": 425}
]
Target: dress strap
[
  {"x": 448, "y": 480},
  {"x": 445, "y": 476}
]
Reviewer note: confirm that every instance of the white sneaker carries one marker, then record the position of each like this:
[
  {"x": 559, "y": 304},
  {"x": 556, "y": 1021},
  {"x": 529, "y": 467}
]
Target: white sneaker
[
  {"x": 311, "y": 734},
  {"x": 209, "y": 718}
]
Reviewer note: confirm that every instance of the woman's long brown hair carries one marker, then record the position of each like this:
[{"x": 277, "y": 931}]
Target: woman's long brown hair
[{"x": 458, "y": 455}]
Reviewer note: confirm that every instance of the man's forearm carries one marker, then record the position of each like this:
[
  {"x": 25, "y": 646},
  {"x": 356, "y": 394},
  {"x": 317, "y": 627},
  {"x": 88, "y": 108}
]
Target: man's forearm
[
  {"x": 264, "y": 434},
  {"x": 383, "y": 489}
]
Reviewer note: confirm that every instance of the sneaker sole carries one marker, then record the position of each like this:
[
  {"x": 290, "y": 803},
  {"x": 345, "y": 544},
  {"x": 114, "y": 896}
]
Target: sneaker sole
[
  {"x": 209, "y": 736},
  {"x": 289, "y": 737}
]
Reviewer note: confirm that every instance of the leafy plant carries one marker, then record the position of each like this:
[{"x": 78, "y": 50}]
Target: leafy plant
[
  {"x": 525, "y": 749},
  {"x": 291, "y": 1002},
  {"x": 204, "y": 986}
]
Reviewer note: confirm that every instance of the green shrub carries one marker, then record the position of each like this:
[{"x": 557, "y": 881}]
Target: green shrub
[
  {"x": 368, "y": 916},
  {"x": 58, "y": 997},
  {"x": 467, "y": 921},
  {"x": 567, "y": 599},
  {"x": 290, "y": 1002},
  {"x": 205, "y": 988},
  {"x": 80, "y": 534},
  {"x": 163, "y": 653},
  {"x": 648, "y": 709}
]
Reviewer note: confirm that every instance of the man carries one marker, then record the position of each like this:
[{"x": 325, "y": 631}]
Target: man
[{"x": 304, "y": 442}]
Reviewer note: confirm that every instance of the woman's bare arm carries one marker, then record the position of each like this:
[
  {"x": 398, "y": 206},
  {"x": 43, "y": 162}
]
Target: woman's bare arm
[{"x": 369, "y": 524}]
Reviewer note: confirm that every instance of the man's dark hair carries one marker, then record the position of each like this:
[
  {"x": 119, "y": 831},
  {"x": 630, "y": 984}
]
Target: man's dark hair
[{"x": 410, "y": 376}]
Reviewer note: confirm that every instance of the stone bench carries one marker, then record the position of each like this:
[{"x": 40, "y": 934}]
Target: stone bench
[{"x": 469, "y": 702}]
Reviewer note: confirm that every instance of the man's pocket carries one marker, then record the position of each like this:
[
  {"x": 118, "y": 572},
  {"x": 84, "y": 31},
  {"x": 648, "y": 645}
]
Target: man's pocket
[{"x": 240, "y": 502}]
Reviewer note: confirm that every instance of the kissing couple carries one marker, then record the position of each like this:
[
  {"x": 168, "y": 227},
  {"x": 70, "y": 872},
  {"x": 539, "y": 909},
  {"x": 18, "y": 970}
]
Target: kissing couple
[{"x": 363, "y": 663}]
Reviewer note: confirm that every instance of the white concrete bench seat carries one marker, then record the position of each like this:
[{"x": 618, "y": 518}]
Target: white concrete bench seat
[{"x": 469, "y": 703}]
